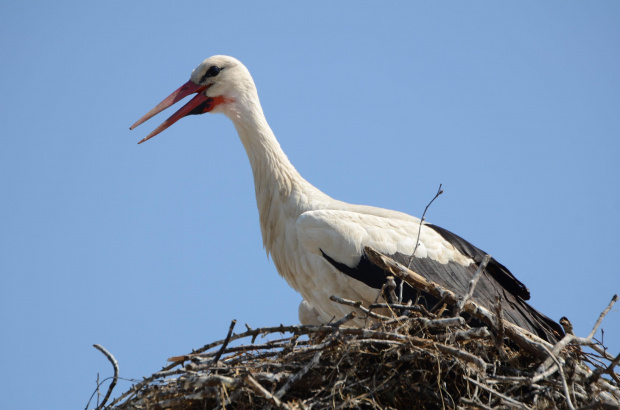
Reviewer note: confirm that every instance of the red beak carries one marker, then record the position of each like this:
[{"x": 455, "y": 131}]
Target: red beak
[{"x": 197, "y": 105}]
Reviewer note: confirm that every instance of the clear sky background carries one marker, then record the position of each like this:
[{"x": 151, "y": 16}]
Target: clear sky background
[{"x": 151, "y": 250}]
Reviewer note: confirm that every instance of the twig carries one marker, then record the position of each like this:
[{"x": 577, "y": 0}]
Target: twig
[
  {"x": 366, "y": 333},
  {"x": 302, "y": 329},
  {"x": 226, "y": 341},
  {"x": 439, "y": 323},
  {"x": 97, "y": 391},
  {"x": 613, "y": 390},
  {"x": 348, "y": 317},
  {"x": 358, "y": 305},
  {"x": 461, "y": 354},
  {"x": 399, "y": 306},
  {"x": 498, "y": 394},
  {"x": 214, "y": 380},
  {"x": 596, "y": 374},
  {"x": 475, "y": 403},
  {"x": 499, "y": 338},
  {"x": 297, "y": 376},
  {"x": 380, "y": 293},
  {"x": 384, "y": 323},
  {"x": 236, "y": 349},
  {"x": 469, "y": 334},
  {"x": 472, "y": 284},
  {"x": 374, "y": 342},
  {"x": 390, "y": 285},
  {"x": 569, "y": 402},
  {"x": 602, "y": 315},
  {"x": 114, "y": 380},
  {"x": 417, "y": 241},
  {"x": 256, "y": 386}
]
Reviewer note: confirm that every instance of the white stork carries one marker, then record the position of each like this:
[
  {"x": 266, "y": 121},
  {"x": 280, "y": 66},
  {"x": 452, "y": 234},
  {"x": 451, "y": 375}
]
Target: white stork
[{"x": 317, "y": 242}]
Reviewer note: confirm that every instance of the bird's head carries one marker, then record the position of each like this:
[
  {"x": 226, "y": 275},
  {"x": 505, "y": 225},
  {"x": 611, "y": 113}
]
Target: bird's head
[{"x": 219, "y": 82}]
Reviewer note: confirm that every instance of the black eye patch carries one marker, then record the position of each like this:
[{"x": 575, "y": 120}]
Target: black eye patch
[{"x": 211, "y": 72}]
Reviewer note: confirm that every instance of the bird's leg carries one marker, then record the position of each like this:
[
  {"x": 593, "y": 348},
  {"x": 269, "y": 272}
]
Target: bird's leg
[{"x": 390, "y": 286}]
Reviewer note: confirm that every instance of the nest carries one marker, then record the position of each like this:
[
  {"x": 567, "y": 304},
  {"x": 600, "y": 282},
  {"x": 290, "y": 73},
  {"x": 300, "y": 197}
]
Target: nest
[{"x": 405, "y": 357}]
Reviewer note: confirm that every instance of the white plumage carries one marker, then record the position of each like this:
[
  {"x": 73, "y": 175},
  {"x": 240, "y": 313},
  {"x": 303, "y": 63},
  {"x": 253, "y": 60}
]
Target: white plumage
[{"x": 315, "y": 241}]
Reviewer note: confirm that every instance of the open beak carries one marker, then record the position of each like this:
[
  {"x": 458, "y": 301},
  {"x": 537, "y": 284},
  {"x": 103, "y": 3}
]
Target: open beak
[{"x": 197, "y": 105}]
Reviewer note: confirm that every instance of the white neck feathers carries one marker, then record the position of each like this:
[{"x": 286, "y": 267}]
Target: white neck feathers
[{"x": 281, "y": 193}]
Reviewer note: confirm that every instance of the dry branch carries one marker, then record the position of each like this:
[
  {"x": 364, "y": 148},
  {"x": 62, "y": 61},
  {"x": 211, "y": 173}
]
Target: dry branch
[
  {"x": 472, "y": 284},
  {"x": 226, "y": 341},
  {"x": 112, "y": 360},
  {"x": 256, "y": 386},
  {"x": 417, "y": 241},
  {"x": 526, "y": 340}
]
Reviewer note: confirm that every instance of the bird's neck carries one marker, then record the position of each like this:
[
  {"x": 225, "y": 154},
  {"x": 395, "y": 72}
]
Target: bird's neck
[{"x": 281, "y": 193}]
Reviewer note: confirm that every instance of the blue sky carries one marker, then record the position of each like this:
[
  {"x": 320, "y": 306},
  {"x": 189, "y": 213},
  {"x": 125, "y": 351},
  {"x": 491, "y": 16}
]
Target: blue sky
[{"x": 152, "y": 250}]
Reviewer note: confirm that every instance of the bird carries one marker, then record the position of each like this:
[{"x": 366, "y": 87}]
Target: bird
[{"x": 317, "y": 242}]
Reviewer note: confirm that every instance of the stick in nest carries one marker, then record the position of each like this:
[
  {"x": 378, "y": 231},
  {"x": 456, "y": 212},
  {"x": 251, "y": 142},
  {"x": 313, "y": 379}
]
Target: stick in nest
[
  {"x": 112, "y": 360},
  {"x": 472, "y": 284},
  {"x": 256, "y": 386},
  {"x": 524, "y": 339},
  {"x": 297, "y": 376},
  {"x": 417, "y": 241},
  {"x": 226, "y": 341},
  {"x": 357, "y": 305}
]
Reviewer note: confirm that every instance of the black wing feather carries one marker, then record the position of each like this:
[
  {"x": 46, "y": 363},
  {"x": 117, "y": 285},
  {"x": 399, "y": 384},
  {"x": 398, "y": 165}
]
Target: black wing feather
[
  {"x": 498, "y": 271},
  {"x": 496, "y": 280}
]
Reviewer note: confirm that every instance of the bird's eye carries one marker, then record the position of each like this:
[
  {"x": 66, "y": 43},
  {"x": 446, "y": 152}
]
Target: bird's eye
[{"x": 213, "y": 71}]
